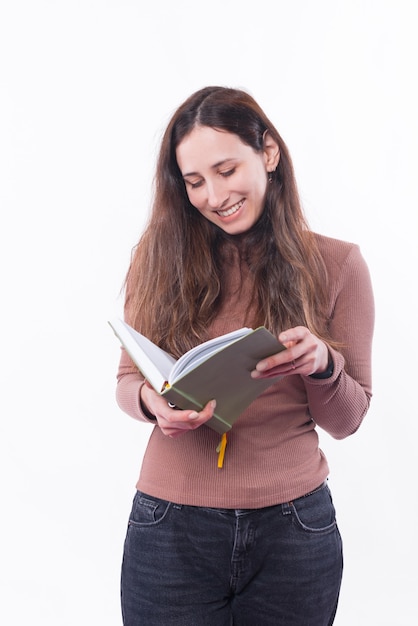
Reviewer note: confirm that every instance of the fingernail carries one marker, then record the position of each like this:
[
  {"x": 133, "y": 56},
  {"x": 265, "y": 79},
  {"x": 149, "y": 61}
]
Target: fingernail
[
  {"x": 213, "y": 404},
  {"x": 193, "y": 415}
]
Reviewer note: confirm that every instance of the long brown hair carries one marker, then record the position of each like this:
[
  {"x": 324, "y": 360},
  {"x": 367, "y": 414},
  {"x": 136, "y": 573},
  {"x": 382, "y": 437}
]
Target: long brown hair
[{"x": 174, "y": 282}]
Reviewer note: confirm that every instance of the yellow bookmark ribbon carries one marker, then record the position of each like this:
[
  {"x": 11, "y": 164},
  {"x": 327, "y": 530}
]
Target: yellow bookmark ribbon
[{"x": 221, "y": 451}]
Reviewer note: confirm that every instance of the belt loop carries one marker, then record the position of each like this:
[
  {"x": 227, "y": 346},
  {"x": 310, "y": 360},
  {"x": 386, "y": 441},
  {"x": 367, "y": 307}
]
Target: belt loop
[{"x": 286, "y": 510}]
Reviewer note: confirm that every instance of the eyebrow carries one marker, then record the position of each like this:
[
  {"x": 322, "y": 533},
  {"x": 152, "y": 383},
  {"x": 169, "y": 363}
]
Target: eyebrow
[{"x": 216, "y": 165}]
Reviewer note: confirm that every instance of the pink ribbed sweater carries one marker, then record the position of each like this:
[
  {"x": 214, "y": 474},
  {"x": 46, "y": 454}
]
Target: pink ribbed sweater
[{"x": 272, "y": 454}]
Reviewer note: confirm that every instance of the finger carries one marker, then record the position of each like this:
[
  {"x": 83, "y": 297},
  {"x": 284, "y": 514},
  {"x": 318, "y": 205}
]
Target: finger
[
  {"x": 292, "y": 336},
  {"x": 290, "y": 366},
  {"x": 203, "y": 415},
  {"x": 174, "y": 421},
  {"x": 274, "y": 361},
  {"x": 208, "y": 409}
]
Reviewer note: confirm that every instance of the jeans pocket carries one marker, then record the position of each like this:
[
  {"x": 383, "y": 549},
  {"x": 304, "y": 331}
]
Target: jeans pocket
[
  {"x": 147, "y": 510},
  {"x": 315, "y": 512}
]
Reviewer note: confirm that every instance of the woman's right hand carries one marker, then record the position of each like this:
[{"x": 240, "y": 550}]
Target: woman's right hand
[{"x": 173, "y": 422}]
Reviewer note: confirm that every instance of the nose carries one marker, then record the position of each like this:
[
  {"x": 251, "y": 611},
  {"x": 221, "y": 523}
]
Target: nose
[{"x": 217, "y": 194}]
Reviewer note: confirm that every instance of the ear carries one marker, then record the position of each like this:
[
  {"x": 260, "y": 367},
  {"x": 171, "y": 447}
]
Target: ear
[{"x": 271, "y": 151}]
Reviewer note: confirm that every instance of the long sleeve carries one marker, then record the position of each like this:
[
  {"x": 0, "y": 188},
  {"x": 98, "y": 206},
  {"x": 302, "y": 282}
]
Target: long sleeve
[
  {"x": 129, "y": 383},
  {"x": 338, "y": 404}
]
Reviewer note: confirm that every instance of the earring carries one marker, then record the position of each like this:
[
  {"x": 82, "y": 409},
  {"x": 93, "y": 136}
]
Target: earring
[{"x": 270, "y": 177}]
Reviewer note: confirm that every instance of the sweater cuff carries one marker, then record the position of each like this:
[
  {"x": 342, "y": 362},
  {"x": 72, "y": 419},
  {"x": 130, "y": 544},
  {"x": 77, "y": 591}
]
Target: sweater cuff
[
  {"x": 328, "y": 372},
  {"x": 144, "y": 409}
]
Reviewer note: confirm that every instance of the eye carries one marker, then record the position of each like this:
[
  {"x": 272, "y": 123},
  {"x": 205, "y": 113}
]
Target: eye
[
  {"x": 194, "y": 185},
  {"x": 228, "y": 173}
]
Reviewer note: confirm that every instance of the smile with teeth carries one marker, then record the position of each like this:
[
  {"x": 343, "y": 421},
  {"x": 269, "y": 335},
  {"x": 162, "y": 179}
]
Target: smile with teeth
[{"x": 231, "y": 210}]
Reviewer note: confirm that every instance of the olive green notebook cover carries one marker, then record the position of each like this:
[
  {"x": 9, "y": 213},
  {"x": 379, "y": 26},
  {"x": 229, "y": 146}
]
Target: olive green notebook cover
[{"x": 217, "y": 369}]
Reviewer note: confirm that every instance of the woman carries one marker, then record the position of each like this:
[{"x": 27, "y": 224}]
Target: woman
[{"x": 227, "y": 245}]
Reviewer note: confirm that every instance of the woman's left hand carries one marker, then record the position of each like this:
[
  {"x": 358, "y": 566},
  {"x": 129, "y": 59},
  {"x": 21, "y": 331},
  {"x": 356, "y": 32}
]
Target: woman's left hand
[{"x": 305, "y": 354}]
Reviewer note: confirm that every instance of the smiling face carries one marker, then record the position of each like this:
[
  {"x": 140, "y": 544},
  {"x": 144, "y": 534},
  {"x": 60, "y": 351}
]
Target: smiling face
[{"x": 226, "y": 180}]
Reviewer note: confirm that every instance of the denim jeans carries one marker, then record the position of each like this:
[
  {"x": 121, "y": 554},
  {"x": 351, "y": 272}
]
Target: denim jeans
[{"x": 196, "y": 566}]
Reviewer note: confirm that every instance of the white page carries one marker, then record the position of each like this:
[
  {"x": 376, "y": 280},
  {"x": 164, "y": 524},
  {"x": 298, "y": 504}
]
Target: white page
[
  {"x": 145, "y": 354},
  {"x": 200, "y": 353}
]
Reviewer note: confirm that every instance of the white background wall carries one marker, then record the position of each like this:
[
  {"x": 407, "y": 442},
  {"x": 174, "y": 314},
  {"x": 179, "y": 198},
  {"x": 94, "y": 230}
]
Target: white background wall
[{"x": 86, "y": 88}]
